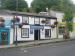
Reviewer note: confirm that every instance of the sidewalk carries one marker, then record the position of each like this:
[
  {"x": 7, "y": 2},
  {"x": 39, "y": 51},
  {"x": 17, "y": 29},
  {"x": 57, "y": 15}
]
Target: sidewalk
[{"x": 37, "y": 43}]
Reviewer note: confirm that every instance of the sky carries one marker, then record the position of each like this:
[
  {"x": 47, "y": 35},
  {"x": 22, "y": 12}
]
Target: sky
[
  {"x": 73, "y": 1},
  {"x": 29, "y": 2}
]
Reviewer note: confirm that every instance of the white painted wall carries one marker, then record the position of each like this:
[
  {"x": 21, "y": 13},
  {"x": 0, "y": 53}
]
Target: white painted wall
[
  {"x": 74, "y": 19},
  {"x": 11, "y": 36},
  {"x": 31, "y": 36},
  {"x": 52, "y": 21},
  {"x": 53, "y": 33},
  {"x": 19, "y": 38},
  {"x": 42, "y": 32},
  {"x": 57, "y": 14}
]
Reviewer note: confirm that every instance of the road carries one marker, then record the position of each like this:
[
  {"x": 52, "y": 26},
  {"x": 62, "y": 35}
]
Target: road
[{"x": 58, "y": 49}]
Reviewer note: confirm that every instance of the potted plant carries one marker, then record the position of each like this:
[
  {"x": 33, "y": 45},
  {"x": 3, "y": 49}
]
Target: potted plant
[
  {"x": 20, "y": 25},
  {"x": 55, "y": 23},
  {"x": 43, "y": 21}
]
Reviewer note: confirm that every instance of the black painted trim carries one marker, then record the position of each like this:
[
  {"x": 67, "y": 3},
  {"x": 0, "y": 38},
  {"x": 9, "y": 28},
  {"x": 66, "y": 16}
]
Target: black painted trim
[
  {"x": 34, "y": 20},
  {"x": 21, "y": 32},
  {"x": 50, "y": 32},
  {"x": 27, "y": 17}
]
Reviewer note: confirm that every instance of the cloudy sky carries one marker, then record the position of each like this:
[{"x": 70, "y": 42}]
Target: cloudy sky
[
  {"x": 29, "y": 2},
  {"x": 73, "y": 1}
]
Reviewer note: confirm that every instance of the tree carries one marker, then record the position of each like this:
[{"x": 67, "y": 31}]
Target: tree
[
  {"x": 11, "y": 5},
  {"x": 41, "y": 5},
  {"x": 68, "y": 17},
  {"x": 65, "y": 6},
  {"x": 1, "y": 4}
]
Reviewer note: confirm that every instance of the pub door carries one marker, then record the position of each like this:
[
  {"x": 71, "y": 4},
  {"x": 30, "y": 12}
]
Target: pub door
[
  {"x": 36, "y": 34},
  {"x": 4, "y": 37}
]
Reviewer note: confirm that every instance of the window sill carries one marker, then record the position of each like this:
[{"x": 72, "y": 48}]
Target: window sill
[
  {"x": 37, "y": 24},
  {"x": 24, "y": 37},
  {"x": 25, "y": 23}
]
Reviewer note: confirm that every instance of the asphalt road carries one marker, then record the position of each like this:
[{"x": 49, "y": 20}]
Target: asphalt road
[{"x": 58, "y": 49}]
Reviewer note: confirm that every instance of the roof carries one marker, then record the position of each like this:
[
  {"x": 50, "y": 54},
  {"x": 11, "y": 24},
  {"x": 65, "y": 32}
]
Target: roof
[{"x": 26, "y": 14}]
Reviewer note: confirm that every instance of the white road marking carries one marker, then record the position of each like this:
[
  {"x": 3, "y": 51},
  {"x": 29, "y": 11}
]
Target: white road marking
[{"x": 23, "y": 50}]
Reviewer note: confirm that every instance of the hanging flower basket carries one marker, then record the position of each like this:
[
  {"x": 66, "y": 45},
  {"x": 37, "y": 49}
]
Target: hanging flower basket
[
  {"x": 55, "y": 23},
  {"x": 20, "y": 25},
  {"x": 43, "y": 21},
  {"x": 52, "y": 26}
]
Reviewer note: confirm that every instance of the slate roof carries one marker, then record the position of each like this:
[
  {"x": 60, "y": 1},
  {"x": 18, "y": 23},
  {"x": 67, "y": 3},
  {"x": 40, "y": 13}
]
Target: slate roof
[{"x": 24, "y": 13}]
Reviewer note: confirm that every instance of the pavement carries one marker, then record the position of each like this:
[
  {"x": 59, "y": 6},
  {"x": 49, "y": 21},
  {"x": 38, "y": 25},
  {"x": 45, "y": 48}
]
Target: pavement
[
  {"x": 56, "y": 49},
  {"x": 35, "y": 43}
]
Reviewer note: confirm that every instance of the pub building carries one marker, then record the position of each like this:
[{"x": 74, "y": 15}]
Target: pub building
[{"x": 21, "y": 26}]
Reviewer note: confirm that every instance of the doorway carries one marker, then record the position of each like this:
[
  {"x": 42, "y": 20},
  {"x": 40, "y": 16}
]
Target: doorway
[
  {"x": 4, "y": 37},
  {"x": 36, "y": 34}
]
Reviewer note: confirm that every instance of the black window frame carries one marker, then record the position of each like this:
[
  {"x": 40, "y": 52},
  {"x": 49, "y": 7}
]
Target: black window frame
[
  {"x": 61, "y": 30},
  {"x": 27, "y": 17},
  {"x": 21, "y": 32},
  {"x": 49, "y": 33},
  {"x": 34, "y": 20}
]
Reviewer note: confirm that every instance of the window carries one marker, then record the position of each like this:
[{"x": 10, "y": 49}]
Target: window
[
  {"x": 61, "y": 30},
  {"x": 37, "y": 21},
  {"x": 48, "y": 22},
  {"x": 25, "y": 20},
  {"x": 25, "y": 32},
  {"x": 47, "y": 33}
]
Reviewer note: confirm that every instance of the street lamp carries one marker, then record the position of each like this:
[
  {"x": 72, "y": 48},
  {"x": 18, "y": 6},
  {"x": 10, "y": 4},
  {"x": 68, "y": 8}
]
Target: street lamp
[
  {"x": 15, "y": 18},
  {"x": 15, "y": 22}
]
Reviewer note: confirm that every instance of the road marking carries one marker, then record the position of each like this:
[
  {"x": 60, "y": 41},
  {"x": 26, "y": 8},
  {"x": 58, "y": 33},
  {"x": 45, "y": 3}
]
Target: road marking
[{"x": 24, "y": 50}]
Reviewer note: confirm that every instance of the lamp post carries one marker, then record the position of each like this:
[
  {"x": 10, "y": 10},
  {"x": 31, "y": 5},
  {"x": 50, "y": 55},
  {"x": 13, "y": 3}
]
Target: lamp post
[{"x": 15, "y": 22}]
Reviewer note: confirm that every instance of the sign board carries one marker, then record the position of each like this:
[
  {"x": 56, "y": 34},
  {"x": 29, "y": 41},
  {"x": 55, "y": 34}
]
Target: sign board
[
  {"x": 36, "y": 27},
  {"x": 8, "y": 23}
]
